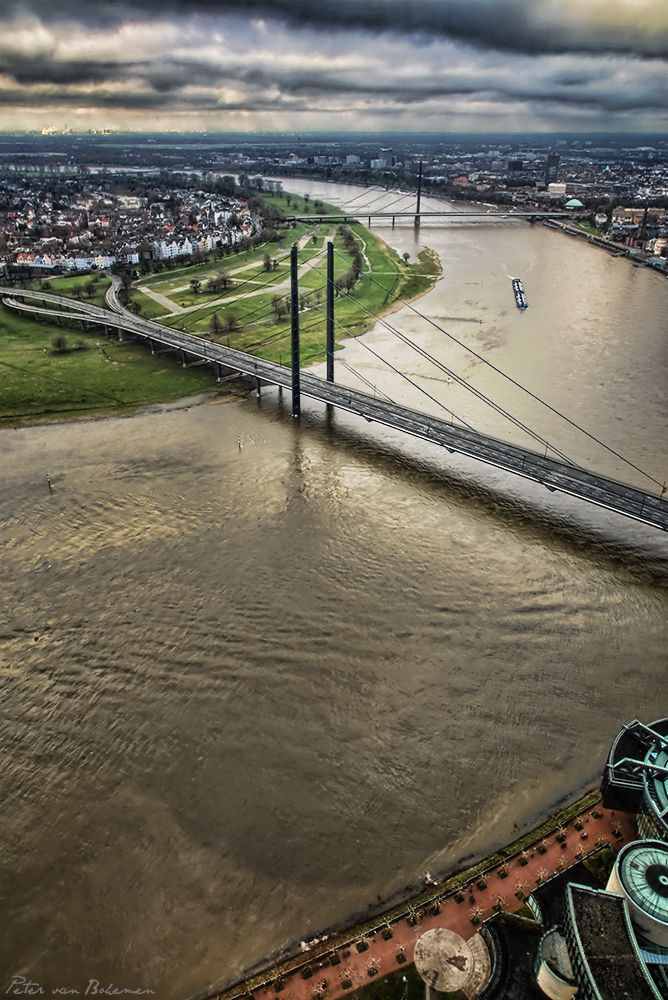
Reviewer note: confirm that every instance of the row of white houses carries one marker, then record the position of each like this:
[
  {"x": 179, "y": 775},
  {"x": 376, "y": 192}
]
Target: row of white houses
[{"x": 161, "y": 250}]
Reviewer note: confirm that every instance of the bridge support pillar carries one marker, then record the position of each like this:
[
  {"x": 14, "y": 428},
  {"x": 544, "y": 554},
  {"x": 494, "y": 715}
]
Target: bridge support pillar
[
  {"x": 258, "y": 388},
  {"x": 183, "y": 359},
  {"x": 152, "y": 343},
  {"x": 219, "y": 372},
  {"x": 330, "y": 312},
  {"x": 419, "y": 196},
  {"x": 294, "y": 303}
]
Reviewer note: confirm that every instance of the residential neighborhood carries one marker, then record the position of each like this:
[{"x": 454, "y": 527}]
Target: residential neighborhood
[{"x": 73, "y": 203}]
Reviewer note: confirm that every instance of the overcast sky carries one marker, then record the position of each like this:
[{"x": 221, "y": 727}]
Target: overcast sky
[{"x": 321, "y": 65}]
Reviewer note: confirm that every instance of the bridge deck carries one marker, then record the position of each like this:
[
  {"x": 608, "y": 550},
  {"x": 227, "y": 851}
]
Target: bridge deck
[
  {"x": 361, "y": 213},
  {"x": 615, "y": 496}
]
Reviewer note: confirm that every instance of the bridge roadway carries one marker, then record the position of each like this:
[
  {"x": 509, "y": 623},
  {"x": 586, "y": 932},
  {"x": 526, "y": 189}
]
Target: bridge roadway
[
  {"x": 649, "y": 508},
  {"x": 361, "y": 213}
]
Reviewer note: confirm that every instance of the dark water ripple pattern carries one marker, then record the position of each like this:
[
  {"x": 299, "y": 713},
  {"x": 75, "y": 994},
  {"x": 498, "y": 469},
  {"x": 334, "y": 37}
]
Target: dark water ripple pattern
[{"x": 246, "y": 694}]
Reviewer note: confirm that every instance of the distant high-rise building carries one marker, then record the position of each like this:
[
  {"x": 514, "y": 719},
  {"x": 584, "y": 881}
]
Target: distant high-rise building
[{"x": 552, "y": 168}]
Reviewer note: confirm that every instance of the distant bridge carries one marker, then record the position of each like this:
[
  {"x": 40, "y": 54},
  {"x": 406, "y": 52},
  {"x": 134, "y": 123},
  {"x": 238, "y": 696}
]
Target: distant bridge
[
  {"x": 648, "y": 508},
  {"x": 416, "y": 216}
]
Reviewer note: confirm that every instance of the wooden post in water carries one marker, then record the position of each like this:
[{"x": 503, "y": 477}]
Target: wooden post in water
[
  {"x": 294, "y": 305},
  {"x": 330, "y": 311}
]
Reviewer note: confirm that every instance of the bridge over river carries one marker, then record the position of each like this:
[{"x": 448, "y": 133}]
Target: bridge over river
[
  {"x": 416, "y": 216},
  {"x": 555, "y": 475}
]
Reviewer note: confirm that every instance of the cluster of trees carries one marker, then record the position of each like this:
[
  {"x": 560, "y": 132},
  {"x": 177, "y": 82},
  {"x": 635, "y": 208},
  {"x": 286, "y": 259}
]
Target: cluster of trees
[
  {"x": 350, "y": 278},
  {"x": 59, "y": 344},
  {"x": 229, "y": 322},
  {"x": 318, "y": 206},
  {"x": 216, "y": 283},
  {"x": 88, "y": 289}
]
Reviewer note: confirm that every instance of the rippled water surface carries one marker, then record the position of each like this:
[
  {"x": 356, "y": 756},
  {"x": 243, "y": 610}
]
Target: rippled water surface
[{"x": 248, "y": 692}]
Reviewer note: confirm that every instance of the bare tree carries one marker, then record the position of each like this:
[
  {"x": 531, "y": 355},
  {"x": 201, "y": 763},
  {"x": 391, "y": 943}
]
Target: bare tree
[{"x": 219, "y": 282}]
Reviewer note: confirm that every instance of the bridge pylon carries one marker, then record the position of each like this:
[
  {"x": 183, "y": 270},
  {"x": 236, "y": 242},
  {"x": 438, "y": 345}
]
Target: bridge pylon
[
  {"x": 419, "y": 196},
  {"x": 330, "y": 311},
  {"x": 294, "y": 307}
]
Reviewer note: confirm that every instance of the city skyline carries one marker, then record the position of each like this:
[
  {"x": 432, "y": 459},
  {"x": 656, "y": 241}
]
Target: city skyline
[{"x": 433, "y": 65}]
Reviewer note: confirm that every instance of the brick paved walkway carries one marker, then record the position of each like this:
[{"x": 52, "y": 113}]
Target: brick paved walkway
[{"x": 344, "y": 969}]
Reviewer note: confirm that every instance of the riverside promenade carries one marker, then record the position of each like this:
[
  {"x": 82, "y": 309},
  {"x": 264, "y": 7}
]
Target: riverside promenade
[{"x": 343, "y": 963}]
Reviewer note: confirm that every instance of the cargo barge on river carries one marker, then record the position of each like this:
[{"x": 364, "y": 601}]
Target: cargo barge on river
[{"x": 520, "y": 297}]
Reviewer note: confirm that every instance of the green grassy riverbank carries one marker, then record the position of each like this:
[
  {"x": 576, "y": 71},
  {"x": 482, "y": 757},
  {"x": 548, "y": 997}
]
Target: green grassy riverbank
[{"x": 241, "y": 299}]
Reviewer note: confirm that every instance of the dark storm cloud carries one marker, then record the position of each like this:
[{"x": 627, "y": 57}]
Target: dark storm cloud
[
  {"x": 160, "y": 87},
  {"x": 29, "y": 69},
  {"x": 530, "y": 26},
  {"x": 540, "y": 58}
]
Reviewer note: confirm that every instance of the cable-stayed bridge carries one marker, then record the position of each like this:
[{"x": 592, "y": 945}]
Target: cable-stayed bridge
[
  {"x": 555, "y": 474},
  {"x": 393, "y": 217}
]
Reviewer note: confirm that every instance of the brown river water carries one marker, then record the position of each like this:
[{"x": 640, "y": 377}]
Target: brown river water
[{"x": 251, "y": 692}]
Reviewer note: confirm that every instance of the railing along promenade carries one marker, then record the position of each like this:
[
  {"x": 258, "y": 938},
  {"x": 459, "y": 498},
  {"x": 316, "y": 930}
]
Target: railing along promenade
[{"x": 648, "y": 508}]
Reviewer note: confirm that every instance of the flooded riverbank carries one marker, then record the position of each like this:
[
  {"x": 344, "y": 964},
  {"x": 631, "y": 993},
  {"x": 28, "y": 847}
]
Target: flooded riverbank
[{"x": 247, "y": 691}]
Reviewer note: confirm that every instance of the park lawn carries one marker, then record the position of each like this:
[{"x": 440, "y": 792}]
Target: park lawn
[
  {"x": 587, "y": 227},
  {"x": 149, "y": 308},
  {"x": 297, "y": 206},
  {"x": 37, "y": 381},
  {"x": 417, "y": 278},
  {"x": 95, "y": 376},
  {"x": 251, "y": 324},
  {"x": 179, "y": 277},
  {"x": 247, "y": 312},
  {"x": 68, "y": 284},
  {"x": 247, "y": 281},
  {"x": 178, "y": 287}
]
